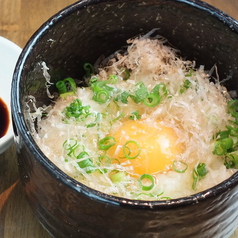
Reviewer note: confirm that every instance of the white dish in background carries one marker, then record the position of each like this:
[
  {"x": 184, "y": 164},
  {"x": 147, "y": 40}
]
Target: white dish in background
[{"x": 9, "y": 53}]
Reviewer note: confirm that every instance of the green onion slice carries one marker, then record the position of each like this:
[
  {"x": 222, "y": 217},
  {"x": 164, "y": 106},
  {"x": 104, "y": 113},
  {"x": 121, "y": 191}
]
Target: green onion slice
[
  {"x": 147, "y": 182},
  {"x": 70, "y": 145},
  {"x": 101, "y": 96},
  {"x": 140, "y": 93},
  {"x": 106, "y": 143},
  {"x": 221, "y": 146},
  {"x": 105, "y": 160},
  {"x": 61, "y": 86},
  {"x": 126, "y": 74},
  {"x": 161, "y": 90},
  {"x": 179, "y": 166},
  {"x": 118, "y": 176},
  {"x": 199, "y": 172},
  {"x": 89, "y": 70},
  {"x": 77, "y": 110},
  {"x": 131, "y": 149},
  {"x": 152, "y": 100},
  {"x": 231, "y": 160},
  {"x": 190, "y": 73},
  {"x": 86, "y": 163},
  {"x": 66, "y": 87},
  {"x": 135, "y": 115}
]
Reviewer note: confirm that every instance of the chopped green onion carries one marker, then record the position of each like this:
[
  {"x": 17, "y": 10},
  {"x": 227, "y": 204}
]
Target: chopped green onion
[
  {"x": 231, "y": 160},
  {"x": 152, "y": 100},
  {"x": 106, "y": 143},
  {"x": 71, "y": 145},
  {"x": 233, "y": 131},
  {"x": 123, "y": 97},
  {"x": 77, "y": 110},
  {"x": 199, "y": 172},
  {"x": 66, "y": 87},
  {"x": 112, "y": 79},
  {"x": 61, "y": 86},
  {"x": 101, "y": 96},
  {"x": 104, "y": 159},
  {"x": 232, "y": 108},
  {"x": 121, "y": 115},
  {"x": 86, "y": 163},
  {"x": 222, "y": 146},
  {"x": 89, "y": 70},
  {"x": 161, "y": 90},
  {"x": 91, "y": 124},
  {"x": 185, "y": 86},
  {"x": 135, "y": 115},
  {"x": 156, "y": 95},
  {"x": 190, "y": 73},
  {"x": 179, "y": 166},
  {"x": 223, "y": 134},
  {"x": 118, "y": 176},
  {"x": 140, "y": 93},
  {"x": 101, "y": 91},
  {"x": 146, "y": 182},
  {"x": 126, "y": 74},
  {"x": 131, "y": 149}
]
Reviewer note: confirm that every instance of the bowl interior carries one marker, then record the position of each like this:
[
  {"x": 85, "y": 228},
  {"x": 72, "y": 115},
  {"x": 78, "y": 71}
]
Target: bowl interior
[{"x": 84, "y": 32}]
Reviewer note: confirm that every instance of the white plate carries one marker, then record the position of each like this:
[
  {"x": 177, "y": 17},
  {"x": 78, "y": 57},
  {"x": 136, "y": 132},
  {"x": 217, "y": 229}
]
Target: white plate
[{"x": 9, "y": 53}]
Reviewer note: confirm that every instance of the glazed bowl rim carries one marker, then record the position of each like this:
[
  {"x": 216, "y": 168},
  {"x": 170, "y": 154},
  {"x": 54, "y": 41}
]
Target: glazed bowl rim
[{"x": 62, "y": 177}]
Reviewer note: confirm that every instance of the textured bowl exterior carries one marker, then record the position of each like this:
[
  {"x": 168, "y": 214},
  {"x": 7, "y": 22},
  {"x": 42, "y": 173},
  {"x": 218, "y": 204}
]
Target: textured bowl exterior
[{"x": 79, "y": 34}]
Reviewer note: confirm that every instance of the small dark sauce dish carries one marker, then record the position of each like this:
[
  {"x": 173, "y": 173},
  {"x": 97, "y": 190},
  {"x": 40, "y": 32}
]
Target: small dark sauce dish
[
  {"x": 5, "y": 118},
  {"x": 81, "y": 33}
]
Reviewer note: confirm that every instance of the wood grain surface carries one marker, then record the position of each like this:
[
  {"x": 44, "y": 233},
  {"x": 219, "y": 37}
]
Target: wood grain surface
[{"x": 19, "y": 19}]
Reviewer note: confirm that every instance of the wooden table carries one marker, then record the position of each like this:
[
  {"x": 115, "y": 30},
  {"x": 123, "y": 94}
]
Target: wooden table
[{"x": 19, "y": 19}]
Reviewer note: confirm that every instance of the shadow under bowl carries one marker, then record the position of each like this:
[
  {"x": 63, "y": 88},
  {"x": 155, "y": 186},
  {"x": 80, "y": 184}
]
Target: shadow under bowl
[{"x": 81, "y": 33}]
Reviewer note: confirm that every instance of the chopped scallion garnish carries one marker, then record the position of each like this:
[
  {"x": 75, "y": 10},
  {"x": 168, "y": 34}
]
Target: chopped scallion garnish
[
  {"x": 231, "y": 160},
  {"x": 190, "y": 73},
  {"x": 66, "y": 87},
  {"x": 85, "y": 163},
  {"x": 131, "y": 149},
  {"x": 140, "y": 93},
  {"x": 101, "y": 91},
  {"x": 233, "y": 109},
  {"x": 118, "y": 176},
  {"x": 152, "y": 100},
  {"x": 89, "y": 70},
  {"x": 222, "y": 146},
  {"x": 106, "y": 143},
  {"x": 147, "y": 182},
  {"x": 70, "y": 146},
  {"x": 126, "y": 74},
  {"x": 77, "y": 110},
  {"x": 102, "y": 96},
  {"x": 186, "y": 85},
  {"x": 179, "y": 166},
  {"x": 199, "y": 172},
  {"x": 135, "y": 115}
]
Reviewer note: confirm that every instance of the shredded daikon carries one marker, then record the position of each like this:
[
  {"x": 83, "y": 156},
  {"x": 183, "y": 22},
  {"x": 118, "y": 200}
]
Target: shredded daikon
[{"x": 193, "y": 106}]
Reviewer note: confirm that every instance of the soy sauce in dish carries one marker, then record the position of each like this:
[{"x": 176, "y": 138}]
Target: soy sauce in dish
[{"x": 4, "y": 118}]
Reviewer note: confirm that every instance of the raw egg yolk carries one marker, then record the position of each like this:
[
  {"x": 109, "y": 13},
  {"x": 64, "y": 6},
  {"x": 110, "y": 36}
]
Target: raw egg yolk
[{"x": 150, "y": 148}]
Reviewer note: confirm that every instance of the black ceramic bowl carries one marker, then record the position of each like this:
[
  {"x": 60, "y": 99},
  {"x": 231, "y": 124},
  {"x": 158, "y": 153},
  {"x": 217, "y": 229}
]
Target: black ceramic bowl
[{"x": 81, "y": 33}]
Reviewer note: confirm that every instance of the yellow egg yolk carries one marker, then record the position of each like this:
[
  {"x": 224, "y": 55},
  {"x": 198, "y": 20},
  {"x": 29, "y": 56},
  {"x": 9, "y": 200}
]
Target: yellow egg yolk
[{"x": 148, "y": 148}]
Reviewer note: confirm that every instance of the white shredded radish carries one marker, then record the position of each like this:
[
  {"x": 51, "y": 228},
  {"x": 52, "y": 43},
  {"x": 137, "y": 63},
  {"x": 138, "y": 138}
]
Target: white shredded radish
[{"x": 195, "y": 113}]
